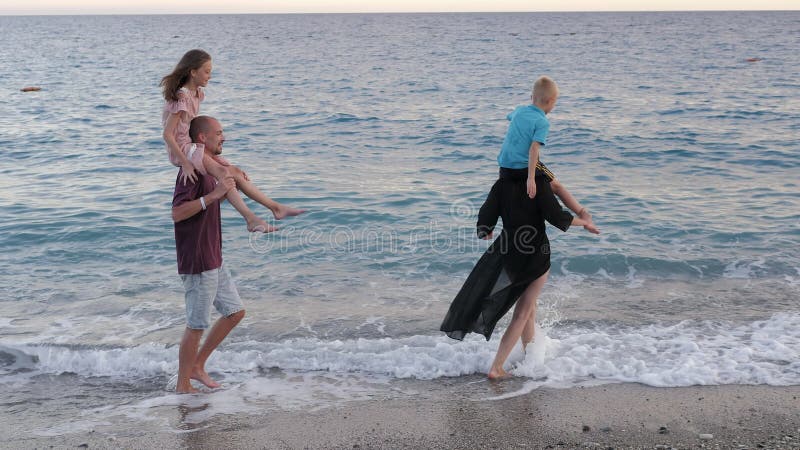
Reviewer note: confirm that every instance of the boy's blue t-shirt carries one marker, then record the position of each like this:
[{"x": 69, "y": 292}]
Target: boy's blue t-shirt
[{"x": 528, "y": 124}]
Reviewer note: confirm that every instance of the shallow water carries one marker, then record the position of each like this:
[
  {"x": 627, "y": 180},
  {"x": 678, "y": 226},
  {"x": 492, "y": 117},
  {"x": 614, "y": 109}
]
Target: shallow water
[{"x": 386, "y": 128}]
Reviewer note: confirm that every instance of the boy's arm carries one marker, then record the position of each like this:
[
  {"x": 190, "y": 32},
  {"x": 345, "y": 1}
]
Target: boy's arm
[{"x": 533, "y": 159}]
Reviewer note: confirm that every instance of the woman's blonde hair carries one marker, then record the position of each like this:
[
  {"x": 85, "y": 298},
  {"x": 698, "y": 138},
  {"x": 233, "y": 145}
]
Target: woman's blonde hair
[
  {"x": 192, "y": 60},
  {"x": 544, "y": 89}
]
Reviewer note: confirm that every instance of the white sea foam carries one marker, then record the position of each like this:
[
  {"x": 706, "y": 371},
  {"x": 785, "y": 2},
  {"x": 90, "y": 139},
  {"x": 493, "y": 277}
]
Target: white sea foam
[
  {"x": 681, "y": 354},
  {"x": 288, "y": 391},
  {"x": 793, "y": 281},
  {"x": 743, "y": 269},
  {"x": 379, "y": 323},
  {"x": 292, "y": 391},
  {"x": 77, "y": 426},
  {"x": 633, "y": 282}
]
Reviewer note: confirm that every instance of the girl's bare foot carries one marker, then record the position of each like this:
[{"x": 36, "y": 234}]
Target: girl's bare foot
[
  {"x": 186, "y": 389},
  {"x": 498, "y": 375},
  {"x": 256, "y": 224},
  {"x": 201, "y": 376},
  {"x": 284, "y": 211}
]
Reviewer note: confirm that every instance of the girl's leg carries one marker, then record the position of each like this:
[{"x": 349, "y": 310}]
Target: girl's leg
[
  {"x": 251, "y": 190},
  {"x": 254, "y": 223},
  {"x": 526, "y": 306}
]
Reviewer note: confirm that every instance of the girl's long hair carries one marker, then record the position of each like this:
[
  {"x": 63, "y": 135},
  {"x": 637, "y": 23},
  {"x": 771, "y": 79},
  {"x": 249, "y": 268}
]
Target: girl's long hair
[{"x": 192, "y": 60}]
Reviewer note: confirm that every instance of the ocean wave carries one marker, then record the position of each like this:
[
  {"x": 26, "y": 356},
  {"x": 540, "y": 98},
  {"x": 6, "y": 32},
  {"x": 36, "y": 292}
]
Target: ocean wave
[{"x": 666, "y": 355}]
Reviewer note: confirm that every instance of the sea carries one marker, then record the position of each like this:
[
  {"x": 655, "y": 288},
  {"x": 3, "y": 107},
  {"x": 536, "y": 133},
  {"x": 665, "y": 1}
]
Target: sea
[{"x": 678, "y": 131}]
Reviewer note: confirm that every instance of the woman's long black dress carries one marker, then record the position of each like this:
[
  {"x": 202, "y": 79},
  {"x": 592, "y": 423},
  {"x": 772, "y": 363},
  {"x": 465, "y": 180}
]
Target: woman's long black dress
[{"x": 520, "y": 255}]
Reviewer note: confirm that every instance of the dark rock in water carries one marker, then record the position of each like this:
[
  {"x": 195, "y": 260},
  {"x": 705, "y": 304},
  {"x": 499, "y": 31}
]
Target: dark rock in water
[
  {"x": 663, "y": 430},
  {"x": 586, "y": 428}
]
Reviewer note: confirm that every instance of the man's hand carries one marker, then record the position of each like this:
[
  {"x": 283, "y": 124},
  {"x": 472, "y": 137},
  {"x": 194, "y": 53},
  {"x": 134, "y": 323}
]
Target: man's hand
[
  {"x": 531, "y": 187},
  {"x": 188, "y": 173},
  {"x": 224, "y": 185}
]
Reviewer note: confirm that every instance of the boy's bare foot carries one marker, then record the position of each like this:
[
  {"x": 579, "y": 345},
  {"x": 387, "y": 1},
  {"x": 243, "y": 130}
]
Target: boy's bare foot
[
  {"x": 284, "y": 211},
  {"x": 584, "y": 214},
  {"x": 259, "y": 225},
  {"x": 498, "y": 375},
  {"x": 201, "y": 376}
]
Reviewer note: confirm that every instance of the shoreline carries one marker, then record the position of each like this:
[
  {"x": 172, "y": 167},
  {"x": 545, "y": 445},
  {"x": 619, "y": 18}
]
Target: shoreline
[{"x": 450, "y": 413}]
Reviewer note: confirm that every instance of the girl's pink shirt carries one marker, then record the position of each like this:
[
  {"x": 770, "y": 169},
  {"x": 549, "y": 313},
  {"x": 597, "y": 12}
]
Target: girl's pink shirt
[{"x": 189, "y": 103}]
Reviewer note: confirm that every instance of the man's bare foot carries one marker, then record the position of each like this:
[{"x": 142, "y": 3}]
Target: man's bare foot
[
  {"x": 188, "y": 389},
  {"x": 259, "y": 225},
  {"x": 498, "y": 375},
  {"x": 284, "y": 211},
  {"x": 201, "y": 376}
]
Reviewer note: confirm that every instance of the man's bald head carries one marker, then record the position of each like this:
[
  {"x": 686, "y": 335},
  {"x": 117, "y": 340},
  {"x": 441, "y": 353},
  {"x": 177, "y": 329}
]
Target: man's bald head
[{"x": 200, "y": 124}]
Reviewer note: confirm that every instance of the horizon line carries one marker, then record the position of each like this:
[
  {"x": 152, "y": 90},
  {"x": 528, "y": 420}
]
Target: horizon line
[{"x": 100, "y": 13}]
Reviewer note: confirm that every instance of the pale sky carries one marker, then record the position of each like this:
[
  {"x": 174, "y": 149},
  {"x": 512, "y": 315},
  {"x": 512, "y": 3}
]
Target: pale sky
[{"x": 8, "y": 7}]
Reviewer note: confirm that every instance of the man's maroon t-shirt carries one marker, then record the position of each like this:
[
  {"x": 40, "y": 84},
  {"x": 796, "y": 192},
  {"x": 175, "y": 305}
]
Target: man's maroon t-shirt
[{"x": 198, "y": 239}]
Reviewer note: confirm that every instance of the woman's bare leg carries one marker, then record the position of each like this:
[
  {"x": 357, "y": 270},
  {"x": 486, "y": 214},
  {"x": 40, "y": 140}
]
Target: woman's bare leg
[
  {"x": 529, "y": 330},
  {"x": 526, "y": 306},
  {"x": 254, "y": 223},
  {"x": 249, "y": 188}
]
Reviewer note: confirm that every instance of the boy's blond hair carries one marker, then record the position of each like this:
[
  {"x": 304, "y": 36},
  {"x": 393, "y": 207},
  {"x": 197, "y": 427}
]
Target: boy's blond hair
[{"x": 544, "y": 89}]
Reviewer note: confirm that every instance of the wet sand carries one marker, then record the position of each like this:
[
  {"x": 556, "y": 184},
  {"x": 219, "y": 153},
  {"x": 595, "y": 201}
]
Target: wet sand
[{"x": 438, "y": 416}]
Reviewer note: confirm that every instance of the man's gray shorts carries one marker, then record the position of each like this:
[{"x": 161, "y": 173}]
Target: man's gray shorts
[{"x": 204, "y": 289}]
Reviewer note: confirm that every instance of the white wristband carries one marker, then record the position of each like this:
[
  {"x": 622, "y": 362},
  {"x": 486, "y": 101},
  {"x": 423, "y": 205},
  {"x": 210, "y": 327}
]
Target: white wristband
[{"x": 203, "y": 203}]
